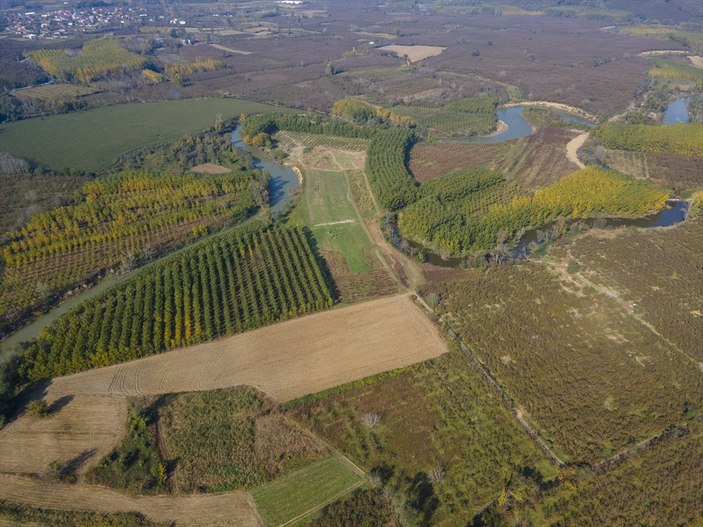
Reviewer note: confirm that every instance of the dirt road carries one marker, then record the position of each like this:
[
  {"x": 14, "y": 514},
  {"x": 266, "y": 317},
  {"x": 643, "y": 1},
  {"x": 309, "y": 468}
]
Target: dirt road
[{"x": 572, "y": 148}]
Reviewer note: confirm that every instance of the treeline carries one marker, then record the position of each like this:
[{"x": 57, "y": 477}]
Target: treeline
[
  {"x": 386, "y": 158},
  {"x": 476, "y": 209},
  {"x": 193, "y": 67},
  {"x": 13, "y": 108},
  {"x": 683, "y": 139},
  {"x": 360, "y": 112},
  {"x": 118, "y": 221},
  {"x": 238, "y": 281},
  {"x": 98, "y": 58},
  {"x": 263, "y": 126}
]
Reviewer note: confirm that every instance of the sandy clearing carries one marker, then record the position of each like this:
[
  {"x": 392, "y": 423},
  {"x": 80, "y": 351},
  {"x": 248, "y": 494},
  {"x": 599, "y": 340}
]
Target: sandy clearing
[
  {"x": 414, "y": 53},
  {"x": 225, "y": 48},
  {"x": 87, "y": 425},
  {"x": 572, "y": 148},
  {"x": 661, "y": 52},
  {"x": 286, "y": 360},
  {"x": 557, "y": 106},
  {"x": 231, "y": 508},
  {"x": 696, "y": 61},
  {"x": 209, "y": 168}
]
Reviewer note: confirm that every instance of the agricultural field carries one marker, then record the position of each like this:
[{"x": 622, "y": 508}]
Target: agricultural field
[
  {"x": 671, "y": 33},
  {"x": 682, "y": 139},
  {"x": 114, "y": 222},
  {"x": 434, "y": 430},
  {"x": 54, "y": 91},
  {"x": 96, "y": 423},
  {"x": 678, "y": 172},
  {"x": 670, "y": 69},
  {"x": 414, "y": 53},
  {"x": 232, "y": 283},
  {"x": 287, "y": 360},
  {"x": 459, "y": 118},
  {"x": 300, "y": 493},
  {"x": 541, "y": 159},
  {"x": 430, "y": 161},
  {"x": 350, "y": 144},
  {"x": 97, "y": 59},
  {"x": 477, "y": 209},
  {"x": 93, "y": 139},
  {"x": 328, "y": 206},
  {"x": 27, "y": 192},
  {"x": 199, "y": 510}
]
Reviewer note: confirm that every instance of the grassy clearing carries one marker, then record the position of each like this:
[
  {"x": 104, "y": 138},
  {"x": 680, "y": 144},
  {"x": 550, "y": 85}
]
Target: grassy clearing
[
  {"x": 93, "y": 139},
  {"x": 313, "y": 140},
  {"x": 308, "y": 488},
  {"x": 227, "y": 439},
  {"x": 670, "y": 69}
]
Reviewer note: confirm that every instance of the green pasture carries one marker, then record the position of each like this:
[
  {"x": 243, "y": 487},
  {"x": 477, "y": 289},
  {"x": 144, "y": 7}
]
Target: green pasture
[
  {"x": 305, "y": 490},
  {"x": 91, "y": 140}
]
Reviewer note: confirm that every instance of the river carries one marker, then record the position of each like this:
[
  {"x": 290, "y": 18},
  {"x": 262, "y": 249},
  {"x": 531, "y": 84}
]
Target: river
[{"x": 283, "y": 181}]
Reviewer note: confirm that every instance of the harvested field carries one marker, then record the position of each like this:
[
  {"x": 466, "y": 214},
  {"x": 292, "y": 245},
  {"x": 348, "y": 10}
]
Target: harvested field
[
  {"x": 209, "y": 168},
  {"x": 81, "y": 429},
  {"x": 286, "y": 360},
  {"x": 232, "y": 508},
  {"x": 414, "y": 53}
]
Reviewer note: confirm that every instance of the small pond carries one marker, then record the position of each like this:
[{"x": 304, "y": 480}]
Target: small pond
[{"x": 677, "y": 111}]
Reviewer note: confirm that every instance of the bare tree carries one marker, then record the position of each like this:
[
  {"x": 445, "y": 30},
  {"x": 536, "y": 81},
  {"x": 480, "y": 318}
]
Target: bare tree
[
  {"x": 370, "y": 420},
  {"x": 436, "y": 475}
]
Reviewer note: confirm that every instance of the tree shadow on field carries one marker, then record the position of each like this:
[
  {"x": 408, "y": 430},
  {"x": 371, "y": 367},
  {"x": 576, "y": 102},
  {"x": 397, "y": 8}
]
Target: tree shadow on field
[
  {"x": 312, "y": 241},
  {"x": 60, "y": 403}
]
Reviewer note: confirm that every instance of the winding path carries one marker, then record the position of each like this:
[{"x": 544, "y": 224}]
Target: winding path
[{"x": 572, "y": 149}]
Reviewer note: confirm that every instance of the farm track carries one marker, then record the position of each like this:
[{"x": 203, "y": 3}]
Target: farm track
[
  {"x": 211, "y": 510},
  {"x": 572, "y": 149}
]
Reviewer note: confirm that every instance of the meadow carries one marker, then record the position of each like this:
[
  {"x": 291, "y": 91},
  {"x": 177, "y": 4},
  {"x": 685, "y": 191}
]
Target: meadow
[
  {"x": 303, "y": 491},
  {"x": 91, "y": 140}
]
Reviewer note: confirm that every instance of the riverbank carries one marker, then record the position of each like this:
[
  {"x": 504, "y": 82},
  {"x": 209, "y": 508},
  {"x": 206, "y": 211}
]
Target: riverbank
[{"x": 556, "y": 106}]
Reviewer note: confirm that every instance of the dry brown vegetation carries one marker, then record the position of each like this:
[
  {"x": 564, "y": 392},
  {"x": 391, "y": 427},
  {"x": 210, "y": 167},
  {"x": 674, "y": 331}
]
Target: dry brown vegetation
[{"x": 594, "y": 371}]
